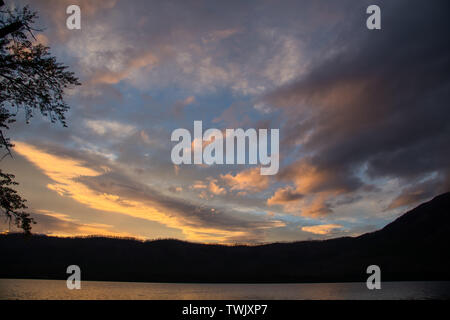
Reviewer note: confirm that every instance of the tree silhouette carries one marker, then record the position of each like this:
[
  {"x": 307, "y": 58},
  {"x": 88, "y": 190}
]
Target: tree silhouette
[
  {"x": 12, "y": 204},
  {"x": 30, "y": 79}
]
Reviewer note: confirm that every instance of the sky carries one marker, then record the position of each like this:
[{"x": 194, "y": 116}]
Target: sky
[{"x": 363, "y": 118}]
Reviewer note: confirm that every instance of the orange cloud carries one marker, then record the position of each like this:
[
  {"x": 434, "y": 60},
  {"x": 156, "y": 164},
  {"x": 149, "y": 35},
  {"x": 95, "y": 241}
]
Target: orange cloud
[
  {"x": 284, "y": 196},
  {"x": 188, "y": 100},
  {"x": 65, "y": 173},
  {"x": 307, "y": 177},
  {"x": 293, "y": 202},
  {"x": 313, "y": 187},
  {"x": 78, "y": 228},
  {"x": 247, "y": 180},
  {"x": 317, "y": 207},
  {"x": 215, "y": 188},
  {"x": 321, "y": 229},
  {"x": 147, "y": 60},
  {"x": 198, "y": 185}
]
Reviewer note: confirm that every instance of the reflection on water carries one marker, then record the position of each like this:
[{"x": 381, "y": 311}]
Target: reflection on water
[{"x": 56, "y": 289}]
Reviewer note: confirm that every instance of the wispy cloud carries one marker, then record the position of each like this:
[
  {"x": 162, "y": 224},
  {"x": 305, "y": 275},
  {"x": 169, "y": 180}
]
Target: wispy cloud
[
  {"x": 111, "y": 192},
  {"x": 321, "y": 229}
]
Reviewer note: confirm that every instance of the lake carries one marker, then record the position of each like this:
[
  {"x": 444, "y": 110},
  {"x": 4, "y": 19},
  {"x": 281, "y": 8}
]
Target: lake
[{"x": 96, "y": 290}]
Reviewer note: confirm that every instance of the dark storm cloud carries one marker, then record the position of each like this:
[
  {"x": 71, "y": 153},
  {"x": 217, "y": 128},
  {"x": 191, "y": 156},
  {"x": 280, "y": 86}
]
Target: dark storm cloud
[
  {"x": 417, "y": 193},
  {"x": 381, "y": 101}
]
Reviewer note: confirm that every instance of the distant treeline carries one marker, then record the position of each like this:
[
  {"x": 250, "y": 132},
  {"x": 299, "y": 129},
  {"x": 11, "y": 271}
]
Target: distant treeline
[{"x": 414, "y": 247}]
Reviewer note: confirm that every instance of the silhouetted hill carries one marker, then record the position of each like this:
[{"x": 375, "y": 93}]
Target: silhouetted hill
[{"x": 416, "y": 246}]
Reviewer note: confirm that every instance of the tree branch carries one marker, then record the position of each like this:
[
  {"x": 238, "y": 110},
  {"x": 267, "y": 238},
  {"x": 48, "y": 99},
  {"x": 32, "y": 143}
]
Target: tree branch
[{"x": 13, "y": 27}]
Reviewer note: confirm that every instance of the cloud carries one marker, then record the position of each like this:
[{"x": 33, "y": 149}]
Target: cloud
[
  {"x": 363, "y": 115},
  {"x": 181, "y": 104},
  {"x": 220, "y": 34},
  {"x": 152, "y": 44},
  {"x": 55, "y": 10},
  {"x": 311, "y": 178},
  {"x": 62, "y": 225},
  {"x": 249, "y": 180},
  {"x": 110, "y": 191},
  {"x": 416, "y": 193},
  {"x": 142, "y": 61},
  {"x": 286, "y": 65},
  {"x": 199, "y": 185},
  {"x": 313, "y": 188},
  {"x": 214, "y": 188},
  {"x": 375, "y": 108},
  {"x": 188, "y": 100},
  {"x": 321, "y": 229},
  {"x": 114, "y": 128},
  {"x": 284, "y": 195},
  {"x": 208, "y": 189}
]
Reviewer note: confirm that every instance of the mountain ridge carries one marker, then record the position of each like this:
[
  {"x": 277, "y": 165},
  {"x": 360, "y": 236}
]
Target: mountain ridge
[{"x": 414, "y": 246}]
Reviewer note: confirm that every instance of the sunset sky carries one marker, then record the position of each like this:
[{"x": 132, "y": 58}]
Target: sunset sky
[{"x": 363, "y": 118}]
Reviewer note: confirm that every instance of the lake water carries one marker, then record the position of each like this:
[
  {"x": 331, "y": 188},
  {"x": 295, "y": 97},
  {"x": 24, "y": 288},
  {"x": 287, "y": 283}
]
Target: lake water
[{"x": 57, "y": 289}]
